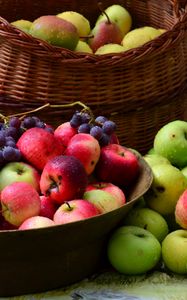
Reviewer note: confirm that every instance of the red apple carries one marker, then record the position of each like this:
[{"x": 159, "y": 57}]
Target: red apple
[
  {"x": 63, "y": 178},
  {"x": 110, "y": 188},
  {"x": 181, "y": 210},
  {"x": 36, "y": 222},
  {"x": 118, "y": 165},
  {"x": 19, "y": 201},
  {"x": 64, "y": 133},
  {"x": 38, "y": 146},
  {"x": 86, "y": 148},
  {"x": 48, "y": 207},
  {"x": 74, "y": 210}
]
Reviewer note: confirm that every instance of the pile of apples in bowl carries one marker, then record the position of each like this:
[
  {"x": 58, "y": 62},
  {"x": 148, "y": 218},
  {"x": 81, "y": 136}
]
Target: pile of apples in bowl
[{"x": 62, "y": 192}]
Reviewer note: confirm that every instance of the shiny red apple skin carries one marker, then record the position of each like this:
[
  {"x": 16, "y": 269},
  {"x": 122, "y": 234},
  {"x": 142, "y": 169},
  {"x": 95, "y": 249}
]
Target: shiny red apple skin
[
  {"x": 63, "y": 178},
  {"x": 110, "y": 188},
  {"x": 118, "y": 165},
  {"x": 19, "y": 201},
  {"x": 38, "y": 146},
  {"x": 64, "y": 133},
  {"x": 48, "y": 207},
  {"x": 181, "y": 210},
  {"x": 75, "y": 210},
  {"x": 86, "y": 148}
]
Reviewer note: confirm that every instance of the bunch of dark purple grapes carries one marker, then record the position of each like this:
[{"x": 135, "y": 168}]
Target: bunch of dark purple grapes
[
  {"x": 10, "y": 132},
  {"x": 100, "y": 127}
]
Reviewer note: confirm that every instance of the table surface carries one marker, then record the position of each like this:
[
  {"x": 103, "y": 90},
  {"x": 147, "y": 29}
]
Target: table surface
[{"x": 114, "y": 286}]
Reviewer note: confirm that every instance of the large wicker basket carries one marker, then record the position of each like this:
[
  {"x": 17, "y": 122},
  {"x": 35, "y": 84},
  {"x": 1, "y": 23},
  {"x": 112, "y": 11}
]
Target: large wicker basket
[{"x": 140, "y": 89}]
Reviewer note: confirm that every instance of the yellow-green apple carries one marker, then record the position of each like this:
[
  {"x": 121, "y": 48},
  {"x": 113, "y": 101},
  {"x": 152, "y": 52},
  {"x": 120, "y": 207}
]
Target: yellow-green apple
[
  {"x": 155, "y": 159},
  {"x": 149, "y": 219},
  {"x": 139, "y": 36},
  {"x": 181, "y": 210},
  {"x": 56, "y": 31},
  {"x": 38, "y": 146},
  {"x": 103, "y": 200},
  {"x": 174, "y": 251},
  {"x": 118, "y": 165},
  {"x": 86, "y": 148},
  {"x": 170, "y": 142},
  {"x": 47, "y": 207},
  {"x": 119, "y": 15},
  {"x": 63, "y": 178},
  {"x": 36, "y": 222},
  {"x": 64, "y": 133},
  {"x": 167, "y": 186},
  {"x": 83, "y": 47},
  {"x": 78, "y": 20},
  {"x": 19, "y": 171},
  {"x": 19, "y": 201},
  {"x": 75, "y": 210},
  {"x": 110, "y": 188},
  {"x": 24, "y": 25},
  {"x": 110, "y": 48},
  {"x": 133, "y": 250}
]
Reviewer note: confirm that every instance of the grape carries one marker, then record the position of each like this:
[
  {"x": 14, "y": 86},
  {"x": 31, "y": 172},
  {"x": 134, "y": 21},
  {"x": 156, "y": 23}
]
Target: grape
[
  {"x": 2, "y": 139},
  {"x": 11, "y": 131},
  {"x": 101, "y": 120},
  {"x": 9, "y": 153},
  {"x": 84, "y": 128},
  {"x": 109, "y": 127},
  {"x": 40, "y": 124},
  {"x": 85, "y": 117},
  {"x": 14, "y": 122},
  {"x": 76, "y": 120},
  {"x": 11, "y": 143},
  {"x": 104, "y": 140},
  {"x": 36, "y": 119},
  {"x": 96, "y": 132},
  {"x": 29, "y": 122}
]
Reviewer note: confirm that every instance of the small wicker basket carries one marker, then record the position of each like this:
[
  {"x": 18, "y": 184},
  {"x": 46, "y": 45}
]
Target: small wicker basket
[{"x": 141, "y": 89}]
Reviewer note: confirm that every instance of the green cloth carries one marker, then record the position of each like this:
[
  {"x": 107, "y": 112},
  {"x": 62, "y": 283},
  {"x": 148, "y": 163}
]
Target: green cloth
[{"x": 112, "y": 285}]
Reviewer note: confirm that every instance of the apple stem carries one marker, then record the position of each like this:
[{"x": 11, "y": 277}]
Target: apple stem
[
  {"x": 69, "y": 206},
  {"x": 100, "y": 5}
]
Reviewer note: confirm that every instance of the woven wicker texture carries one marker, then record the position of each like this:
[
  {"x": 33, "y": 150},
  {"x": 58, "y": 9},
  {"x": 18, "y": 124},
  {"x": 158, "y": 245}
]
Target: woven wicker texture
[{"x": 140, "y": 89}]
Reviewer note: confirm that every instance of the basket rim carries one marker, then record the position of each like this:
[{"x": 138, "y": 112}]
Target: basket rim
[{"x": 19, "y": 39}]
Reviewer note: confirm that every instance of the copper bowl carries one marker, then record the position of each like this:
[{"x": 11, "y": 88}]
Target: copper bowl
[{"x": 38, "y": 260}]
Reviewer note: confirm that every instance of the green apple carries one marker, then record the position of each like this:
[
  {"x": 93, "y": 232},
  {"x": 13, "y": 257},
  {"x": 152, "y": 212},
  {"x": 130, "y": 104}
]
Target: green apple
[
  {"x": 184, "y": 171},
  {"x": 167, "y": 186},
  {"x": 24, "y": 25},
  {"x": 119, "y": 15},
  {"x": 155, "y": 159},
  {"x": 151, "y": 151},
  {"x": 109, "y": 48},
  {"x": 139, "y": 36},
  {"x": 174, "y": 251},
  {"x": 104, "y": 201},
  {"x": 148, "y": 219},
  {"x": 79, "y": 21},
  {"x": 19, "y": 172},
  {"x": 133, "y": 250},
  {"x": 83, "y": 47},
  {"x": 171, "y": 142}
]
